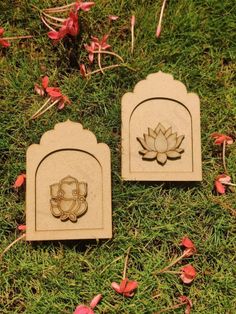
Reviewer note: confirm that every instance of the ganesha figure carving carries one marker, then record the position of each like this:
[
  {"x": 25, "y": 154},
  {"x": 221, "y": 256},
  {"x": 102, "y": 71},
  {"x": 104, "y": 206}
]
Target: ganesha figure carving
[{"x": 68, "y": 199}]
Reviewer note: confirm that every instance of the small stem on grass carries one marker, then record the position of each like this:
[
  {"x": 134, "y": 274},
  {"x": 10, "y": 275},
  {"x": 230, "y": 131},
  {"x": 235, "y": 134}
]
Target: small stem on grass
[
  {"x": 158, "y": 31},
  {"x": 126, "y": 263},
  {"x": 68, "y": 6},
  {"x": 43, "y": 20},
  {"x": 164, "y": 270},
  {"x": 109, "y": 53},
  {"x": 41, "y": 108},
  {"x": 58, "y": 19},
  {"x": 52, "y": 23},
  {"x": 110, "y": 67},
  {"x": 46, "y": 109},
  {"x": 223, "y": 156},
  {"x": 132, "y": 33},
  {"x": 229, "y": 183},
  {"x": 17, "y": 37},
  {"x": 11, "y": 244},
  {"x": 99, "y": 61}
]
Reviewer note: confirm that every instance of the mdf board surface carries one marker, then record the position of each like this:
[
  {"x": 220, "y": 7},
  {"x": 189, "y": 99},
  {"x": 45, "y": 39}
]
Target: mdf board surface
[
  {"x": 161, "y": 131},
  {"x": 68, "y": 193}
]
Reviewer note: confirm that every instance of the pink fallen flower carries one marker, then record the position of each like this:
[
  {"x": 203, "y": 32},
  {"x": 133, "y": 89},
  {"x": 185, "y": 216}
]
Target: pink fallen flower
[
  {"x": 4, "y": 43},
  {"x": 221, "y": 138},
  {"x": 188, "y": 274},
  {"x": 220, "y": 183},
  {"x": 189, "y": 304},
  {"x": 20, "y": 180},
  {"x": 101, "y": 44},
  {"x": 126, "y": 287},
  {"x": 83, "y": 309},
  {"x": 190, "y": 248}
]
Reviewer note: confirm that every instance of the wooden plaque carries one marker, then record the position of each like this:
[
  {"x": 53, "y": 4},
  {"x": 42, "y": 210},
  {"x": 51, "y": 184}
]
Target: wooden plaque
[
  {"x": 68, "y": 192},
  {"x": 161, "y": 131}
]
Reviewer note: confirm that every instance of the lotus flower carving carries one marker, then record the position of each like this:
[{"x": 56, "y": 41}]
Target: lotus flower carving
[{"x": 161, "y": 144}]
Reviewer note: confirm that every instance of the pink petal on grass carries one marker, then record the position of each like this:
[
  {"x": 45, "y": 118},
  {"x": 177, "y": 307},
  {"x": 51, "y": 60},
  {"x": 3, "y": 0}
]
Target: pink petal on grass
[
  {"x": 116, "y": 287},
  {"x": 95, "y": 301},
  {"x": 45, "y": 81},
  {"x": 133, "y": 20},
  {"x": 219, "y": 187},
  {"x": 4, "y": 43},
  {"x": 158, "y": 31},
  {"x": 54, "y": 35},
  {"x": 86, "y": 6},
  {"x": 21, "y": 227},
  {"x": 39, "y": 90},
  {"x": 83, "y": 309},
  {"x": 19, "y": 181},
  {"x": 113, "y": 17}
]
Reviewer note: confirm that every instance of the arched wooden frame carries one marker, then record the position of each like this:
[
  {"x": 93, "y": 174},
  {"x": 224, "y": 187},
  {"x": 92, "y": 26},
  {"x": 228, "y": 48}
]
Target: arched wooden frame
[{"x": 160, "y": 99}]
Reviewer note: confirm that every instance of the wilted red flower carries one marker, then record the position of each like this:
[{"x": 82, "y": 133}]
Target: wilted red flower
[
  {"x": 126, "y": 287},
  {"x": 83, "y": 309},
  {"x": 20, "y": 180},
  {"x": 4, "y": 43},
  {"x": 221, "y": 138},
  {"x": 220, "y": 181},
  {"x": 22, "y": 227},
  {"x": 101, "y": 44},
  {"x": 72, "y": 24},
  {"x": 188, "y": 273},
  {"x": 190, "y": 248},
  {"x": 185, "y": 300}
]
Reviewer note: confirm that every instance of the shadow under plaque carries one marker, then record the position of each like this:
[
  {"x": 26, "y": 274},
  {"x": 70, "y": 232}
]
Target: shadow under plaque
[
  {"x": 68, "y": 192},
  {"x": 161, "y": 138}
]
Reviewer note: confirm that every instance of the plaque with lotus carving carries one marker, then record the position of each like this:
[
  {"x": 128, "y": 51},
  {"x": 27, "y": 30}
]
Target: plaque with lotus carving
[
  {"x": 160, "y": 134},
  {"x": 161, "y": 144}
]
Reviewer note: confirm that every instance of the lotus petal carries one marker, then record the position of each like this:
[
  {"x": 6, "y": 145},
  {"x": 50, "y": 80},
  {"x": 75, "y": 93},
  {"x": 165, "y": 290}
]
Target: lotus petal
[
  {"x": 144, "y": 151},
  {"x": 168, "y": 132},
  {"x": 150, "y": 155},
  {"x": 161, "y": 158},
  {"x": 143, "y": 143},
  {"x": 173, "y": 154},
  {"x": 179, "y": 140},
  {"x": 171, "y": 140},
  {"x": 161, "y": 143},
  {"x": 151, "y": 133},
  {"x": 179, "y": 150},
  {"x": 160, "y": 127},
  {"x": 150, "y": 142}
]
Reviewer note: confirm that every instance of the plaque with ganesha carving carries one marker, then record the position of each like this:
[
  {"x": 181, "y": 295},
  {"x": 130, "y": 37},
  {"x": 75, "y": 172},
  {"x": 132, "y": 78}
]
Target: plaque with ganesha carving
[{"x": 68, "y": 193}]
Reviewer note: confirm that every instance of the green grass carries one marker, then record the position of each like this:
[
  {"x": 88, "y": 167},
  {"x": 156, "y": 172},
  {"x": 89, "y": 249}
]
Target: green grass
[{"x": 198, "y": 47}]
